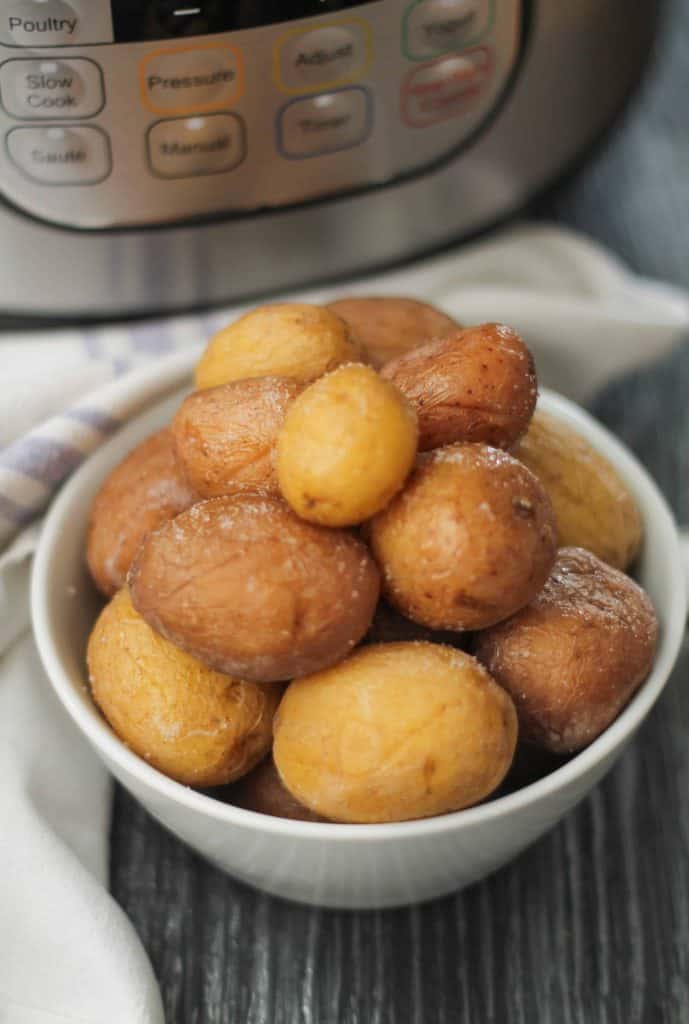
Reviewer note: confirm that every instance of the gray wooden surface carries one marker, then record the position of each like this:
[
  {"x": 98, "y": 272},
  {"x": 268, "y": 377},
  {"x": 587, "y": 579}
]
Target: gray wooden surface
[{"x": 590, "y": 926}]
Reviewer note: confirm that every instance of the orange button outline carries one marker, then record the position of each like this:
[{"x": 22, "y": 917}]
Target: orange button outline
[
  {"x": 335, "y": 83},
  {"x": 203, "y": 108}
]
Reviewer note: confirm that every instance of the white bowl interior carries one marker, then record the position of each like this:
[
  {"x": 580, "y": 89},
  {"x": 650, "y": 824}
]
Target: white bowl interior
[{"x": 64, "y": 605}]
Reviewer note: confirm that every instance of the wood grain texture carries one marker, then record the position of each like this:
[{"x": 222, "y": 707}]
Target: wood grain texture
[{"x": 591, "y": 925}]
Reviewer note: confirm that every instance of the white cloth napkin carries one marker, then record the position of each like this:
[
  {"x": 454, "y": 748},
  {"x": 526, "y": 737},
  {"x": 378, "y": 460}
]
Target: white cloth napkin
[{"x": 68, "y": 955}]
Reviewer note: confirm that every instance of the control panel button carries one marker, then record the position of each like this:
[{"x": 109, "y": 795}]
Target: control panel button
[
  {"x": 434, "y": 27},
  {"x": 44, "y": 89},
  {"x": 37, "y": 23},
  {"x": 445, "y": 89},
  {"x": 64, "y": 155},
  {"x": 326, "y": 56},
  {"x": 325, "y": 123},
  {"x": 191, "y": 80},
  {"x": 187, "y": 147}
]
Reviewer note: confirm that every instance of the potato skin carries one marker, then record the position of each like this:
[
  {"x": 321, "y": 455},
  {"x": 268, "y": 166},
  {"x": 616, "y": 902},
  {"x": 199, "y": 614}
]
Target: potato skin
[
  {"x": 250, "y": 589},
  {"x": 593, "y": 507},
  {"x": 145, "y": 490},
  {"x": 573, "y": 657},
  {"x": 224, "y": 437},
  {"x": 262, "y": 791},
  {"x": 290, "y": 339},
  {"x": 195, "y": 725},
  {"x": 389, "y": 627},
  {"x": 389, "y": 326},
  {"x": 397, "y": 731},
  {"x": 346, "y": 447},
  {"x": 469, "y": 540},
  {"x": 477, "y": 384}
]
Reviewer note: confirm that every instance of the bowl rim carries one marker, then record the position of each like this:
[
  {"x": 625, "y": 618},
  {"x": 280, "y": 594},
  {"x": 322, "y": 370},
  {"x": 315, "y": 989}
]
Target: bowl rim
[{"x": 112, "y": 749}]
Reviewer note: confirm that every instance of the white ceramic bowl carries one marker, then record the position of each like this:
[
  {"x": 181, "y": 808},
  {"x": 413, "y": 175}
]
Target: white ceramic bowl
[{"x": 355, "y": 866}]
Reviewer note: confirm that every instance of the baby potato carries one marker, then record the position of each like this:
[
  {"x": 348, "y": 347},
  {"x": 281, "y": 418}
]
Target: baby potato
[
  {"x": 290, "y": 339},
  {"x": 346, "y": 447},
  {"x": 388, "y": 326},
  {"x": 593, "y": 506},
  {"x": 477, "y": 384},
  {"x": 396, "y": 731},
  {"x": 145, "y": 490},
  {"x": 225, "y": 437},
  {"x": 574, "y": 656},
  {"x": 262, "y": 791},
  {"x": 195, "y": 725},
  {"x": 389, "y": 626},
  {"x": 250, "y": 589},
  {"x": 469, "y": 540}
]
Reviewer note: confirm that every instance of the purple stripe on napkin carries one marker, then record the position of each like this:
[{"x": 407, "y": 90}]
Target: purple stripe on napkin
[
  {"x": 15, "y": 513},
  {"x": 91, "y": 341},
  {"x": 41, "y": 459},
  {"x": 154, "y": 338},
  {"x": 94, "y": 418}
]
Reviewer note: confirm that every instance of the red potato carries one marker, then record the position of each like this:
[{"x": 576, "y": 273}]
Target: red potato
[
  {"x": 478, "y": 384},
  {"x": 140, "y": 494},
  {"x": 264, "y": 792},
  {"x": 469, "y": 540},
  {"x": 251, "y": 590},
  {"x": 573, "y": 657},
  {"x": 224, "y": 437},
  {"x": 389, "y": 326}
]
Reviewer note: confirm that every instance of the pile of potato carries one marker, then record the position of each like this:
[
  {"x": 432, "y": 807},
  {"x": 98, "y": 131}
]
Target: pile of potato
[{"x": 353, "y": 498}]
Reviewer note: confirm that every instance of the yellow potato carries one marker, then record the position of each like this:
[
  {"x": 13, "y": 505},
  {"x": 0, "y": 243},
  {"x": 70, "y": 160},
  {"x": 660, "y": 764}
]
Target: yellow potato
[
  {"x": 195, "y": 725},
  {"x": 346, "y": 447},
  {"x": 396, "y": 731},
  {"x": 593, "y": 506},
  {"x": 285, "y": 340},
  {"x": 469, "y": 540}
]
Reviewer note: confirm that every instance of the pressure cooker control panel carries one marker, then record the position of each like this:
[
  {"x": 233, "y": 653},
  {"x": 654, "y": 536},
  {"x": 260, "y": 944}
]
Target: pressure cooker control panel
[{"x": 138, "y": 113}]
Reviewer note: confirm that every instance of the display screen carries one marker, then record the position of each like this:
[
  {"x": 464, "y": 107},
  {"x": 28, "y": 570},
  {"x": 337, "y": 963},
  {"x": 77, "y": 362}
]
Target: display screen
[{"x": 137, "y": 20}]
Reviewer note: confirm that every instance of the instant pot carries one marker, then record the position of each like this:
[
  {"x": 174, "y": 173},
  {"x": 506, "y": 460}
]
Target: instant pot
[{"x": 160, "y": 155}]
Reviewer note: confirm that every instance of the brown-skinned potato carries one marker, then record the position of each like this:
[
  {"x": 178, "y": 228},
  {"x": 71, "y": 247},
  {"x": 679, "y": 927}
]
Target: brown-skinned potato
[
  {"x": 573, "y": 657},
  {"x": 145, "y": 490},
  {"x": 250, "y": 589},
  {"x": 469, "y": 540},
  {"x": 389, "y": 626},
  {"x": 478, "y": 384},
  {"x": 394, "y": 732},
  {"x": 224, "y": 437},
  {"x": 389, "y": 326},
  {"x": 263, "y": 791},
  {"x": 593, "y": 507},
  {"x": 198, "y": 726}
]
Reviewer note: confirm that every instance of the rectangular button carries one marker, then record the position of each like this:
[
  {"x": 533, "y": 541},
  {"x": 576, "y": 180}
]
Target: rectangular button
[
  {"x": 326, "y": 123},
  {"x": 323, "y": 56},
  {"x": 194, "y": 146},
  {"x": 435, "y": 27},
  {"x": 191, "y": 80},
  {"x": 64, "y": 155},
  {"x": 37, "y": 23},
  {"x": 46, "y": 89},
  {"x": 447, "y": 88}
]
